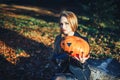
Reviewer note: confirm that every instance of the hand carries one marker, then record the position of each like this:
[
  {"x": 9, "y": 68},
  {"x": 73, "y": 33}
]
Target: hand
[{"x": 82, "y": 59}]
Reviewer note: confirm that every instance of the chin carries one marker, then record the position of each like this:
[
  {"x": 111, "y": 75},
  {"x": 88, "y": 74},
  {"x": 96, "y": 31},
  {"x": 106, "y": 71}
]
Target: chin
[{"x": 65, "y": 33}]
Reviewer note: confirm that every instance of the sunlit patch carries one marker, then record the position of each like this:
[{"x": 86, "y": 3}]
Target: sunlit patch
[
  {"x": 103, "y": 43},
  {"x": 11, "y": 55},
  {"x": 41, "y": 11}
]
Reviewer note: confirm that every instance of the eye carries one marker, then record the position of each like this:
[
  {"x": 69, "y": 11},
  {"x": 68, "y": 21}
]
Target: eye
[
  {"x": 61, "y": 24},
  {"x": 69, "y": 44},
  {"x": 66, "y": 23}
]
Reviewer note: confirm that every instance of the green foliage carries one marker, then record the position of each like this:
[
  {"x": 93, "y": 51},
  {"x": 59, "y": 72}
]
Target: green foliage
[
  {"x": 23, "y": 22},
  {"x": 100, "y": 26},
  {"x": 99, "y": 56}
]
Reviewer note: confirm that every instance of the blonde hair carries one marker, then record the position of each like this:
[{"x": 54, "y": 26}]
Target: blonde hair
[{"x": 71, "y": 18}]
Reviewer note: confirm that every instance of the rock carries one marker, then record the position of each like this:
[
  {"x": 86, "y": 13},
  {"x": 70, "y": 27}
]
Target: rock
[
  {"x": 98, "y": 74},
  {"x": 104, "y": 69}
]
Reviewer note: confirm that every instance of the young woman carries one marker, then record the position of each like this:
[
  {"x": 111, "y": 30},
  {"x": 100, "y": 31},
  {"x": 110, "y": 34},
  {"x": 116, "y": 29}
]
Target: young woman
[{"x": 69, "y": 67}]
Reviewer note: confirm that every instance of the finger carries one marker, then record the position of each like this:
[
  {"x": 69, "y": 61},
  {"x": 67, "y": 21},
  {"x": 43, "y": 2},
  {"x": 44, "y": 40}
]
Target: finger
[{"x": 77, "y": 58}]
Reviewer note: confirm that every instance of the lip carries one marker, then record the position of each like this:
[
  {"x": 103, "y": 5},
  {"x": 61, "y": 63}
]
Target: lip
[{"x": 63, "y": 30}]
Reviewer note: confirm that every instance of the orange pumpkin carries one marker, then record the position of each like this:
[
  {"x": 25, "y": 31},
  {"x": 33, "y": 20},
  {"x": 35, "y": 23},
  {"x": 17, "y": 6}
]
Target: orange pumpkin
[{"x": 75, "y": 46}]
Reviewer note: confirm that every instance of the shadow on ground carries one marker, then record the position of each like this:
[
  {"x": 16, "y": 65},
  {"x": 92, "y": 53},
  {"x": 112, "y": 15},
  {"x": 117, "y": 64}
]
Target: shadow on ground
[
  {"x": 53, "y": 6},
  {"x": 33, "y": 67}
]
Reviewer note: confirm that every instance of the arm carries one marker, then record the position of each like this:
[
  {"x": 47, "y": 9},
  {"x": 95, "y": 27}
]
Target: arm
[{"x": 59, "y": 56}]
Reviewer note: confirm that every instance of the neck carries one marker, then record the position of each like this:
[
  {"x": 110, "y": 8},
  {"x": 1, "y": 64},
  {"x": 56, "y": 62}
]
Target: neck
[{"x": 70, "y": 34}]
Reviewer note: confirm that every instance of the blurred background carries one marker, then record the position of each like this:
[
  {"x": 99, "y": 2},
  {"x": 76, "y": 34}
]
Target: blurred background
[{"x": 28, "y": 29}]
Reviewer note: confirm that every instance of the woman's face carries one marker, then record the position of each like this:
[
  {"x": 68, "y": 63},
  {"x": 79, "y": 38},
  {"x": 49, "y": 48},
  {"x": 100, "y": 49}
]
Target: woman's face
[{"x": 65, "y": 26}]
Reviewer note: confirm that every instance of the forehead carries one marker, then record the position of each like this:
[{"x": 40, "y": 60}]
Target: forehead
[{"x": 63, "y": 19}]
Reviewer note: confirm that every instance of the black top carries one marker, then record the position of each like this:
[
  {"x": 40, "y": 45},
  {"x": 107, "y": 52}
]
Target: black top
[{"x": 68, "y": 64}]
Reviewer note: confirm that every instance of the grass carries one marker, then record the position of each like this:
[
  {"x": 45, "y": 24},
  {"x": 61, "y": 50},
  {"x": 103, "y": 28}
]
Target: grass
[
  {"x": 27, "y": 42},
  {"x": 103, "y": 41}
]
